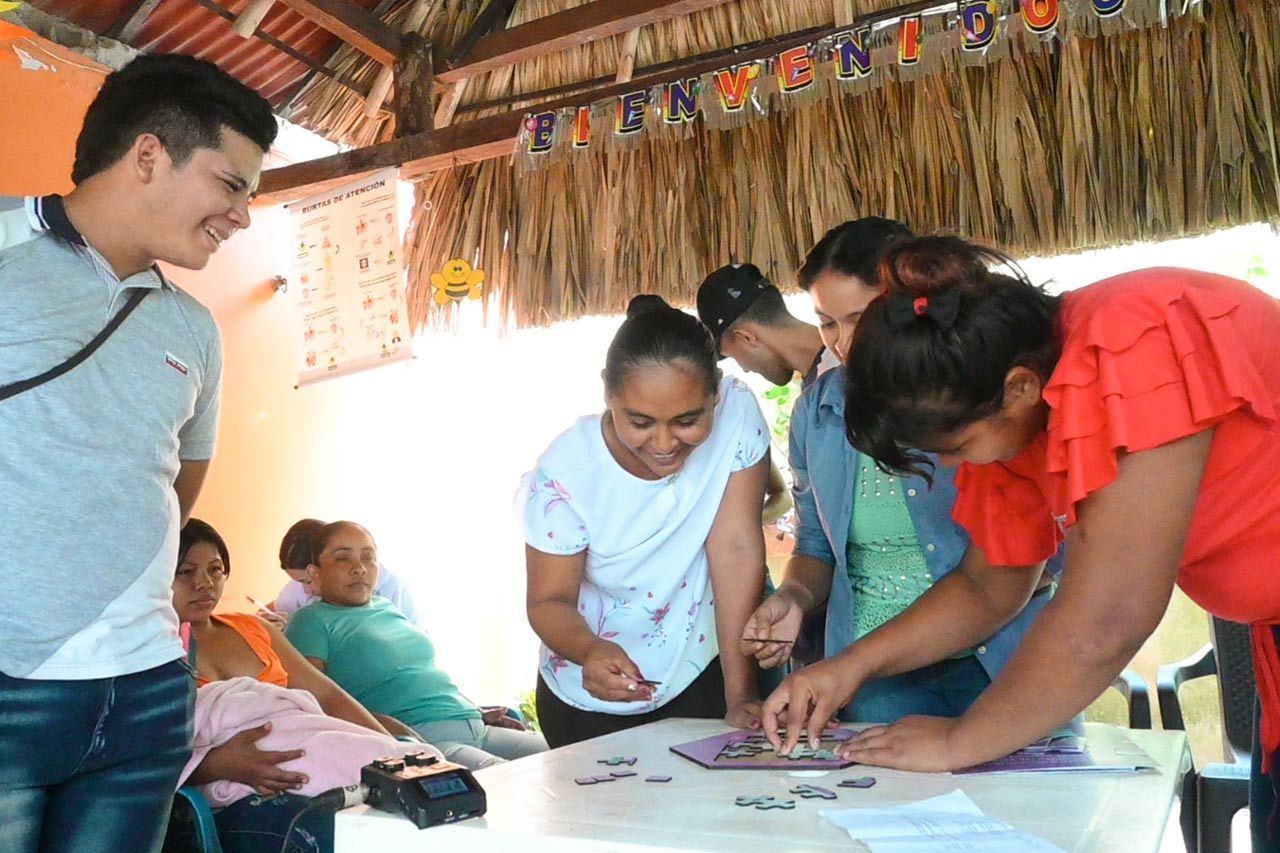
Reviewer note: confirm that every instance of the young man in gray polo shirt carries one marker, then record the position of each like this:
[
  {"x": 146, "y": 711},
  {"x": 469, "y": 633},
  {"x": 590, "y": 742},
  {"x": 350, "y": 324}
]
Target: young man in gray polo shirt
[{"x": 100, "y": 466}]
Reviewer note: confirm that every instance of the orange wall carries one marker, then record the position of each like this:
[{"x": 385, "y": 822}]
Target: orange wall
[
  {"x": 41, "y": 110},
  {"x": 341, "y": 449},
  {"x": 39, "y": 78},
  {"x": 58, "y": 85}
]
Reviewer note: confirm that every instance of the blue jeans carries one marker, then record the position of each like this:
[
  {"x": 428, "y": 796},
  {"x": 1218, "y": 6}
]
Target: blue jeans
[
  {"x": 92, "y": 765},
  {"x": 943, "y": 689},
  {"x": 475, "y": 746}
]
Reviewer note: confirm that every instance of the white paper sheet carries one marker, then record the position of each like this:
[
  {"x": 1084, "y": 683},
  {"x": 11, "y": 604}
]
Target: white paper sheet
[{"x": 949, "y": 822}]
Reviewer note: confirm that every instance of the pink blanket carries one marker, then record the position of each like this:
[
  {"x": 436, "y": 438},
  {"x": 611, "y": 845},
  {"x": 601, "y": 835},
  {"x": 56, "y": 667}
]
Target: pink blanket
[{"x": 335, "y": 749}]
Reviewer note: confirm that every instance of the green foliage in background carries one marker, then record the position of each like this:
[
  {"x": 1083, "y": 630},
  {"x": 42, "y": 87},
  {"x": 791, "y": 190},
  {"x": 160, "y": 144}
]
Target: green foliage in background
[
  {"x": 528, "y": 709},
  {"x": 1257, "y": 274},
  {"x": 778, "y": 403}
]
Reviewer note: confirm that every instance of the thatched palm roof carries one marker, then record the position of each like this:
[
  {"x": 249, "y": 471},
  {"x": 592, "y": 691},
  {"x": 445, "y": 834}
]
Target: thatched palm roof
[{"x": 1150, "y": 134}]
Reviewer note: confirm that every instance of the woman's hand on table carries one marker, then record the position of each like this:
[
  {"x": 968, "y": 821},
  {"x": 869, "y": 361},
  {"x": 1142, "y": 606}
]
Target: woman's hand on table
[
  {"x": 777, "y": 618},
  {"x": 922, "y": 744},
  {"x": 609, "y": 674},
  {"x": 808, "y": 701}
]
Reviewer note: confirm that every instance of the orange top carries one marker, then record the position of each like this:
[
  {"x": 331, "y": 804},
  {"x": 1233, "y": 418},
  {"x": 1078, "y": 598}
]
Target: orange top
[
  {"x": 256, "y": 635},
  {"x": 1150, "y": 357}
]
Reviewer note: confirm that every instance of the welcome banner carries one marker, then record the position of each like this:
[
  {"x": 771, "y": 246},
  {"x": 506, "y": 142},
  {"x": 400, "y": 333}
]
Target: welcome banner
[{"x": 889, "y": 46}]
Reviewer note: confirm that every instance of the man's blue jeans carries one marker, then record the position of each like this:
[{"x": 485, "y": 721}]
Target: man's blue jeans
[{"x": 91, "y": 766}]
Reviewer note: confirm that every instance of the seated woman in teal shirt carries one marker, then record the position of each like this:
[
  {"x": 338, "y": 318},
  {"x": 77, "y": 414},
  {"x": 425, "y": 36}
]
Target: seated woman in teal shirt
[
  {"x": 373, "y": 652},
  {"x": 868, "y": 544}
]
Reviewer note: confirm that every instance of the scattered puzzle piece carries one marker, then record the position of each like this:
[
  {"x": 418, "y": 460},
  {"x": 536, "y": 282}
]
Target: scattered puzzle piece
[
  {"x": 618, "y": 760},
  {"x": 764, "y": 803},
  {"x": 585, "y": 780},
  {"x": 604, "y": 779},
  {"x": 809, "y": 792},
  {"x": 622, "y": 774},
  {"x": 751, "y": 801},
  {"x": 777, "y": 804},
  {"x": 861, "y": 782},
  {"x": 657, "y": 778}
]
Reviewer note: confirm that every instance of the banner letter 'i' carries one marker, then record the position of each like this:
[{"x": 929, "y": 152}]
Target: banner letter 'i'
[{"x": 909, "y": 38}]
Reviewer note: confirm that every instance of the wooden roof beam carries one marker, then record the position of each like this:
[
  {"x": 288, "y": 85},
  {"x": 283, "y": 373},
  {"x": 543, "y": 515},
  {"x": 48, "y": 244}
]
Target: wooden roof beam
[
  {"x": 382, "y": 83},
  {"x": 250, "y": 18},
  {"x": 562, "y": 30},
  {"x": 130, "y": 23},
  {"x": 842, "y": 12},
  {"x": 627, "y": 57},
  {"x": 357, "y": 27},
  {"x": 492, "y": 17}
]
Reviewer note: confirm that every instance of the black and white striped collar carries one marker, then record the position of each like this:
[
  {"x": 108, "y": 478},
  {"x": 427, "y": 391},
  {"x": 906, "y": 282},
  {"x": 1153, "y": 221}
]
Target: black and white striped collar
[{"x": 49, "y": 213}]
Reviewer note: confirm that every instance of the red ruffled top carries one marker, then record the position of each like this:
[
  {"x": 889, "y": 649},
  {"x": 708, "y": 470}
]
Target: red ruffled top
[{"x": 1150, "y": 357}]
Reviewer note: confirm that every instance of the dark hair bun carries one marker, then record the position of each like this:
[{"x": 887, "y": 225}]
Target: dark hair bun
[
  {"x": 644, "y": 303},
  {"x": 926, "y": 266}
]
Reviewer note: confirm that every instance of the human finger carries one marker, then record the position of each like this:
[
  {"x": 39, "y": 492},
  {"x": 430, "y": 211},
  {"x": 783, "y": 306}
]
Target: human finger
[
  {"x": 820, "y": 719},
  {"x": 797, "y": 717},
  {"x": 282, "y": 756},
  {"x": 771, "y": 714}
]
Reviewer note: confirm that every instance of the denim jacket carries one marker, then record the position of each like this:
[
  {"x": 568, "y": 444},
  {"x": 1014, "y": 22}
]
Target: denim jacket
[{"x": 825, "y": 472}]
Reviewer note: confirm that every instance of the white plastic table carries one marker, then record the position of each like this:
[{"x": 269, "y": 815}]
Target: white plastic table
[{"x": 534, "y": 804}]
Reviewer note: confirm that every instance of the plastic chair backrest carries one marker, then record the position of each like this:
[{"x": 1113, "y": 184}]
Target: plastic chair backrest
[
  {"x": 1234, "y": 653},
  {"x": 205, "y": 829}
]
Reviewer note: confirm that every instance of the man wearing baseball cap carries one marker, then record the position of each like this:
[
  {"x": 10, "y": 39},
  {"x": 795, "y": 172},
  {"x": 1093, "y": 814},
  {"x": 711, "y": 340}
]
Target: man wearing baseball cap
[{"x": 751, "y": 324}]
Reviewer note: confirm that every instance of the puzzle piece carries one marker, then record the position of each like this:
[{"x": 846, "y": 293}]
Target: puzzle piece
[
  {"x": 740, "y": 751},
  {"x": 803, "y": 752},
  {"x": 618, "y": 760},
  {"x": 604, "y": 779},
  {"x": 585, "y": 780},
  {"x": 752, "y": 751},
  {"x": 744, "y": 800},
  {"x": 809, "y": 792},
  {"x": 622, "y": 774},
  {"x": 657, "y": 778},
  {"x": 861, "y": 782},
  {"x": 765, "y": 803},
  {"x": 779, "y": 804}
]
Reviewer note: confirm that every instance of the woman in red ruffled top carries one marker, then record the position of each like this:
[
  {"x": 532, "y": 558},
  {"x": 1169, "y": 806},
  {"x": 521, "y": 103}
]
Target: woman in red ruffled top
[{"x": 1136, "y": 418}]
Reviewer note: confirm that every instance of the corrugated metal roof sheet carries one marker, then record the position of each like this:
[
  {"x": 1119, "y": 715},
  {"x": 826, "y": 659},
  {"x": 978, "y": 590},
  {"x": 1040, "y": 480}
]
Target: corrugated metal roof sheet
[{"x": 188, "y": 26}]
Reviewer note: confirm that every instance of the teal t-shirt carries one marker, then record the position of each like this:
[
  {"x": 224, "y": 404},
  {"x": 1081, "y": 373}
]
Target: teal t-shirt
[{"x": 379, "y": 657}]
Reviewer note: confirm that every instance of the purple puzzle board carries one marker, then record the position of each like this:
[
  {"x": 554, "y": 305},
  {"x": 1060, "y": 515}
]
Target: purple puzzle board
[
  {"x": 1061, "y": 752},
  {"x": 728, "y": 752}
]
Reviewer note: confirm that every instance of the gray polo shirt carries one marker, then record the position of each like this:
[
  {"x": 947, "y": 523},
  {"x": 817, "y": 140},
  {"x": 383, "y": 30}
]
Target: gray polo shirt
[{"x": 88, "y": 513}]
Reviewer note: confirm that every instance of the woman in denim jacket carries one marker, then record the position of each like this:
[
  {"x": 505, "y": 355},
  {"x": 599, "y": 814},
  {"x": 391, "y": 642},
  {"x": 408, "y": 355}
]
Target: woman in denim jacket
[{"x": 868, "y": 544}]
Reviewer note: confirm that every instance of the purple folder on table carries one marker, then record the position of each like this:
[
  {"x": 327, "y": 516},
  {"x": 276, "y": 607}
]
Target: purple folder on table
[{"x": 1062, "y": 753}]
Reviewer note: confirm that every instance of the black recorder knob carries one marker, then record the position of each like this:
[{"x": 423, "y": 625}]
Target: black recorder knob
[
  {"x": 419, "y": 759},
  {"x": 391, "y": 765}
]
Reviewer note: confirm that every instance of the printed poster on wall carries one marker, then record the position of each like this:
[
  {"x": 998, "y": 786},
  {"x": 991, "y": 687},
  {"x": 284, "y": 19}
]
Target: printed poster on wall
[{"x": 348, "y": 281}]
